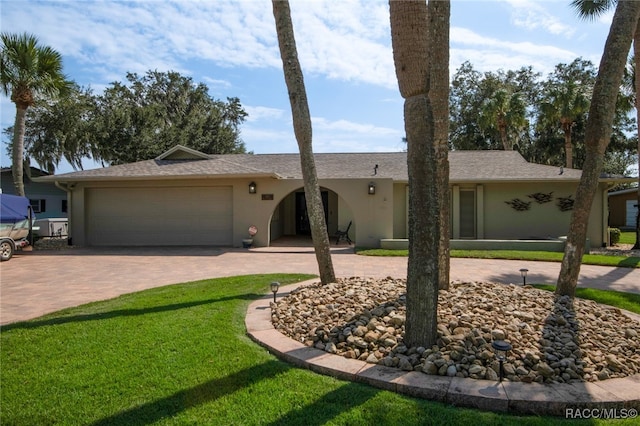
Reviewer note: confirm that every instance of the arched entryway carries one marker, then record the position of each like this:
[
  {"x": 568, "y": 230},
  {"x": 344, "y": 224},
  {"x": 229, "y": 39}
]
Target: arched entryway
[{"x": 289, "y": 224}]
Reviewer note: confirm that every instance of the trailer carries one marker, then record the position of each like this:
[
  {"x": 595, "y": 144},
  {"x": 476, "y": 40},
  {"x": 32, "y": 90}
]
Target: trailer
[
  {"x": 52, "y": 227},
  {"x": 16, "y": 217}
]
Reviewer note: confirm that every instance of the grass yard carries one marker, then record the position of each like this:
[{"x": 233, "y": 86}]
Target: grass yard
[
  {"x": 627, "y": 237},
  {"x": 548, "y": 256},
  {"x": 627, "y": 301},
  {"x": 179, "y": 355}
]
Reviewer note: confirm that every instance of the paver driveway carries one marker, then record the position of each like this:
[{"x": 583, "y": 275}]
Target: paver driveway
[{"x": 39, "y": 282}]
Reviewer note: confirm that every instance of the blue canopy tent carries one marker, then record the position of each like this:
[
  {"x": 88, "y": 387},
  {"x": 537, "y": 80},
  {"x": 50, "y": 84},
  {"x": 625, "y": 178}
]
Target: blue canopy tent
[
  {"x": 13, "y": 209},
  {"x": 15, "y": 224}
]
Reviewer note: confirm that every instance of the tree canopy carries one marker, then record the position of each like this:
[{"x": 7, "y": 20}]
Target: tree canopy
[
  {"x": 29, "y": 73},
  {"x": 528, "y": 111},
  {"x": 133, "y": 121}
]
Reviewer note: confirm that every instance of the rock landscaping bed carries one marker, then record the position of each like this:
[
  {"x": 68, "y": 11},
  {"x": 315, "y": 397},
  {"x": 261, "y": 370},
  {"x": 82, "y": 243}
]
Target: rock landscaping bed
[
  {"x": 52, "y": 244},
  {"x": 554, "y": 339}
]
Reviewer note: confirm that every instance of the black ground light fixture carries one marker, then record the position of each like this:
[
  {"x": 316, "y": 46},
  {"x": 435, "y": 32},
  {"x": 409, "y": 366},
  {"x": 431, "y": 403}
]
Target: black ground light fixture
[
  {"x": 501, "y": 348},
  {"x": 252, "y": 188},
  {"x": 274, "y": 289},
  {"x": 523, "y": 274}
]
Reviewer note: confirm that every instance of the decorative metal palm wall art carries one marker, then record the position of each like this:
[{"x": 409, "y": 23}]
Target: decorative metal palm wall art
[{"x": 563, "y": 203}]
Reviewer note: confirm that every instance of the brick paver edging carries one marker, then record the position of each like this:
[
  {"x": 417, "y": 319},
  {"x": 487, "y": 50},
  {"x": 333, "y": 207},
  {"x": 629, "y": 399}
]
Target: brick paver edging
[{"x": 615, "y": 396}]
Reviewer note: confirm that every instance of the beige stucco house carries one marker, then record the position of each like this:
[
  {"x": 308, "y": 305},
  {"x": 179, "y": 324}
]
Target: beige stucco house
[{"x": 185, "y": 197}]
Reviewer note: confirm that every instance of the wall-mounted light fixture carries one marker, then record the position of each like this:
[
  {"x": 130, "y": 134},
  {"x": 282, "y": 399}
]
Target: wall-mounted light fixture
[
  {"x": 252, "y": 188},
  {"x": 371, "y": 188}
]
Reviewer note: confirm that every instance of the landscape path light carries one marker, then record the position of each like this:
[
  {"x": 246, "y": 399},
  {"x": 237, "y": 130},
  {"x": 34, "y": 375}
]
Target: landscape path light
[
  {"x": 501, "y": 348},
  {"x": 523, "y": 274},
  {"x": 274, "y": 289}
]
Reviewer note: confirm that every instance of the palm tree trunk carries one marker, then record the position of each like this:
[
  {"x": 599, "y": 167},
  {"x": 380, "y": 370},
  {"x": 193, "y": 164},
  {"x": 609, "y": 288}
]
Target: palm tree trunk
[
  {"x": 302, "y": 129},
  {"x": 439, "y": 15},
  {"x": 17, "y": 150},
  {"x": 568, "y": 146},
  {"x": 420, "y": 39},
  {"x": 636, "y": 53},
  {"x": 597, "y": 137}
]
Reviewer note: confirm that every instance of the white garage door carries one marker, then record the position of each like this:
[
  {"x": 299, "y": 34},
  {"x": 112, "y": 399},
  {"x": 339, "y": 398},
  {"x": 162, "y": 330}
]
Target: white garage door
[
  {"x": 632, "y": 211},
  {"x": 159, "y": 216}
]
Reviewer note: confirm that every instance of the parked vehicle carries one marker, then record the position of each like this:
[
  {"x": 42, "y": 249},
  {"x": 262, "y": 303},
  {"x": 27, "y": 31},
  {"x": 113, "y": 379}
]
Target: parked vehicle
[{"x": 16, "y": 218}]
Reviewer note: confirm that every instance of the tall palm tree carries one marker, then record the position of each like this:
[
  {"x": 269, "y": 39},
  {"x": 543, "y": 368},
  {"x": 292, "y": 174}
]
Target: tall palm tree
[
  {"x": 420, "y": 40},
  {"x": 597, "y": 138},
  {"x": 302, "y": 129},
  {"x": 590, "y": 9},
  {"x": 562, "y": 105},
  {"x": 506, "y": 113},
  {"x": 28, "y": 71}
]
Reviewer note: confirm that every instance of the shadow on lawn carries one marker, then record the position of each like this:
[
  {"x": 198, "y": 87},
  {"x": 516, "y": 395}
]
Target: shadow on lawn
[
  {"x": 630, "y": 262},
  {"x": 323, "y": 410},
  {"x": 121, "y": 313},
  {"x": 331, "y": 405},
  {"x": 172, "y": 405}
]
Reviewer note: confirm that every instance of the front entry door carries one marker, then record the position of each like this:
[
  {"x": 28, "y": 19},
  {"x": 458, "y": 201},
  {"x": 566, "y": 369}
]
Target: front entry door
[{"x": 302, "y": 217}]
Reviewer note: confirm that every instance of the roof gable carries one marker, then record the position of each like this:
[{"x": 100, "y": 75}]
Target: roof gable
[{"x": 180, "y": 152}]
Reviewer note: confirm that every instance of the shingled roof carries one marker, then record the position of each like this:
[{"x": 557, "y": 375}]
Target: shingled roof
[{"x": 465, "y": 166}]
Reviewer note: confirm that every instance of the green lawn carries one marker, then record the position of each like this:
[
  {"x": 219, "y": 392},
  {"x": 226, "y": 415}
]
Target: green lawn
[
  {"x": 179, "y": 355},
  {"x": 549, "y": 256},
  {"x": 627, "y": 301},
  {"x": 627, "y": 237}
]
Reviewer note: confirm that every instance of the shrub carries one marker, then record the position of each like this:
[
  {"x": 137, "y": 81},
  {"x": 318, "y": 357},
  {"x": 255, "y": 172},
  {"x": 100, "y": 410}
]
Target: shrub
[{"x": 614, "y": 236}]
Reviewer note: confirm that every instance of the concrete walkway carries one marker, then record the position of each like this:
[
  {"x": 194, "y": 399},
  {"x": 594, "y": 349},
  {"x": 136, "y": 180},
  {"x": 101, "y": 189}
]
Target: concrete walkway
[{"x": 39, "y": 282}]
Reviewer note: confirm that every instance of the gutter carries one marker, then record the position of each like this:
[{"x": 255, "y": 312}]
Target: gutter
[{"x": 72, "y": 180}]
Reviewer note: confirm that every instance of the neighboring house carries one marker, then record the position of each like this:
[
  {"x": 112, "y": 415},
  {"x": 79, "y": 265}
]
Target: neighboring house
[
  {"x": 47, "y": 200},
  {"x": 185, "y": 197},
  {"x": 623, "y": 208}
]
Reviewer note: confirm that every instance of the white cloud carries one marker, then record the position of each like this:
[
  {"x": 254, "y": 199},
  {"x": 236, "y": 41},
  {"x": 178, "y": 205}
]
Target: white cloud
[
  {"x": 533, "y": 16},
  {"x": 328, "y": 135},
  {"x": 257, "y": 113},
  {"x": 344, "y": 40},
  {"x": 348, "y": 136},
  {"x": 491, "y": 54},
  {"x": 320, "y": 123}
]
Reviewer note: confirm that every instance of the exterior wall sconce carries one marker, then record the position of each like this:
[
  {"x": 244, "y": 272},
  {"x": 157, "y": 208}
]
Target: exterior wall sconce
[
  {"x": 523, "y": 274},
  {"x": 252, "y": 188},
  {"x": 371, "y": 190}
]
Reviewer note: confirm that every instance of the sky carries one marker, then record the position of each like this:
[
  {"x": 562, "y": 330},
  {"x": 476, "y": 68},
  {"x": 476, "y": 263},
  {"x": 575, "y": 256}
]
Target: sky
[{"x": 344, "y": 49}]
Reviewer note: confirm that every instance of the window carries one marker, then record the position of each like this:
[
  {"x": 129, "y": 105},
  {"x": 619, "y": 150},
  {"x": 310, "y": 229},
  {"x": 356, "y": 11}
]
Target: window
[
  {"x": 38, "y": 206},
  {"x": 467, "y": 213},
  {"x": 64, "y": 206}
]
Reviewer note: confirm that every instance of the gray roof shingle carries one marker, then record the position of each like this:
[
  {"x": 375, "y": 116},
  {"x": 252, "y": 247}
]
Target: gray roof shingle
[{"x": 465, "y": 166}]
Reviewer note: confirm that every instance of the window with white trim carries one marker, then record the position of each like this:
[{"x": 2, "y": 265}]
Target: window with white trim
[{"x": 38, "y": 205}]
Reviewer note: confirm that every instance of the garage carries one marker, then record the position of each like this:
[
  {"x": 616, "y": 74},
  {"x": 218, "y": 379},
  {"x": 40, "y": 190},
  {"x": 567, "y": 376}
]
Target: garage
[{"x": 159, "y": 216}]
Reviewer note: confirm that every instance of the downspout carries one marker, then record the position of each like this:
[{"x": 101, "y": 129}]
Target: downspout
[
  {"x": 605, "y": 214},
  {"x": 69, "y": 190}
]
